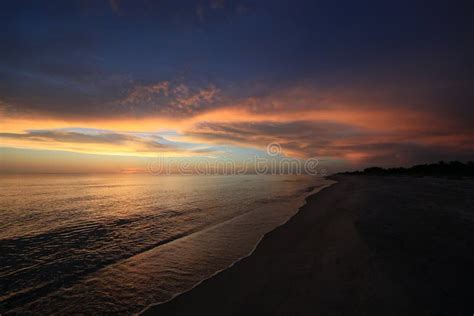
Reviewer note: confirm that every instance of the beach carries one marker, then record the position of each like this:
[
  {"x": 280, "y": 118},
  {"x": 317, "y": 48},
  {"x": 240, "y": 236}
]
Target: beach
[{"x": 367, "y": 245}]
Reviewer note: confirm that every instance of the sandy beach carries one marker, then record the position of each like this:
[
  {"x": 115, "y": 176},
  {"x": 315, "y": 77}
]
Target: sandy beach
[{"x": 364, "y": 246}]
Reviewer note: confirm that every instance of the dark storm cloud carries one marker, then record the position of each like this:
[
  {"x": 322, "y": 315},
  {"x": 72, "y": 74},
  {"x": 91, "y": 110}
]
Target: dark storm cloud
[{"x": 77, "y": 59}]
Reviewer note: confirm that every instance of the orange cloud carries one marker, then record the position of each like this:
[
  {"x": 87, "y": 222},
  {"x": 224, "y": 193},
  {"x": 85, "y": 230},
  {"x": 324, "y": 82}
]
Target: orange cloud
[{"x": 304, "y": 122}]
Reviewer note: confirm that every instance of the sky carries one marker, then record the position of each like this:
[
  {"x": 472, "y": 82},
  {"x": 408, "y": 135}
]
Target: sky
[{"x": 105, "y": 86}]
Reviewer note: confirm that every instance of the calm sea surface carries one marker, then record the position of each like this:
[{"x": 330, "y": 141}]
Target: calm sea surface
[{"x": 117, "y": 243}]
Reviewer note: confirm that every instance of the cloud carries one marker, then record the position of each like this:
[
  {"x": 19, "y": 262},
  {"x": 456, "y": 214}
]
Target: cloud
[
  {"x": 75, "y": 137},
  {"x": 96, "y": 141},
  {"x": 358, "y": 125},
  {"x": 168, "y": 98},
  {"x": 301, "y": 138},
  {"x": 354, "y": 144},
  {"x": 147, "y": 93}
]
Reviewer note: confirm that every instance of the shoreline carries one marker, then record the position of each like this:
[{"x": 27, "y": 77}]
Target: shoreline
[
  {"x": 354, "y": 248},
  {"x": 313, "y": 190}
]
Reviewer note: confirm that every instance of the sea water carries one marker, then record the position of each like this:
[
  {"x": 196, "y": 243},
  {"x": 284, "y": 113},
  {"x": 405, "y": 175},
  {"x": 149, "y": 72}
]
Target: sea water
[{"x": 118, "y": 243}]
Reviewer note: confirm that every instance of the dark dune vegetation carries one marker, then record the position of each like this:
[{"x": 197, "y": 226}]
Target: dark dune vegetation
[{"x": 452, "y": 168}]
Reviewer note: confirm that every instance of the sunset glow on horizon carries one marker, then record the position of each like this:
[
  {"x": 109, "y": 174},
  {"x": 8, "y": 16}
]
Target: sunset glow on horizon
[{"x": 223, "y": 81}]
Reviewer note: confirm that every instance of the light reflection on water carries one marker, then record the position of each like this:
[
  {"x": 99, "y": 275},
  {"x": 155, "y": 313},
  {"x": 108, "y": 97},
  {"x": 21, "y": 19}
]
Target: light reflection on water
[{"x": 83, "y": 243}]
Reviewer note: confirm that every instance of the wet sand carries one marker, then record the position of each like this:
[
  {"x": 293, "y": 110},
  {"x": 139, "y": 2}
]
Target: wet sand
[{"x": 364, "y": 246}]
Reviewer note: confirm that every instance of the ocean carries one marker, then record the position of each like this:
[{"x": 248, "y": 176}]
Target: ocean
[{"x": 118, "y": 243}]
